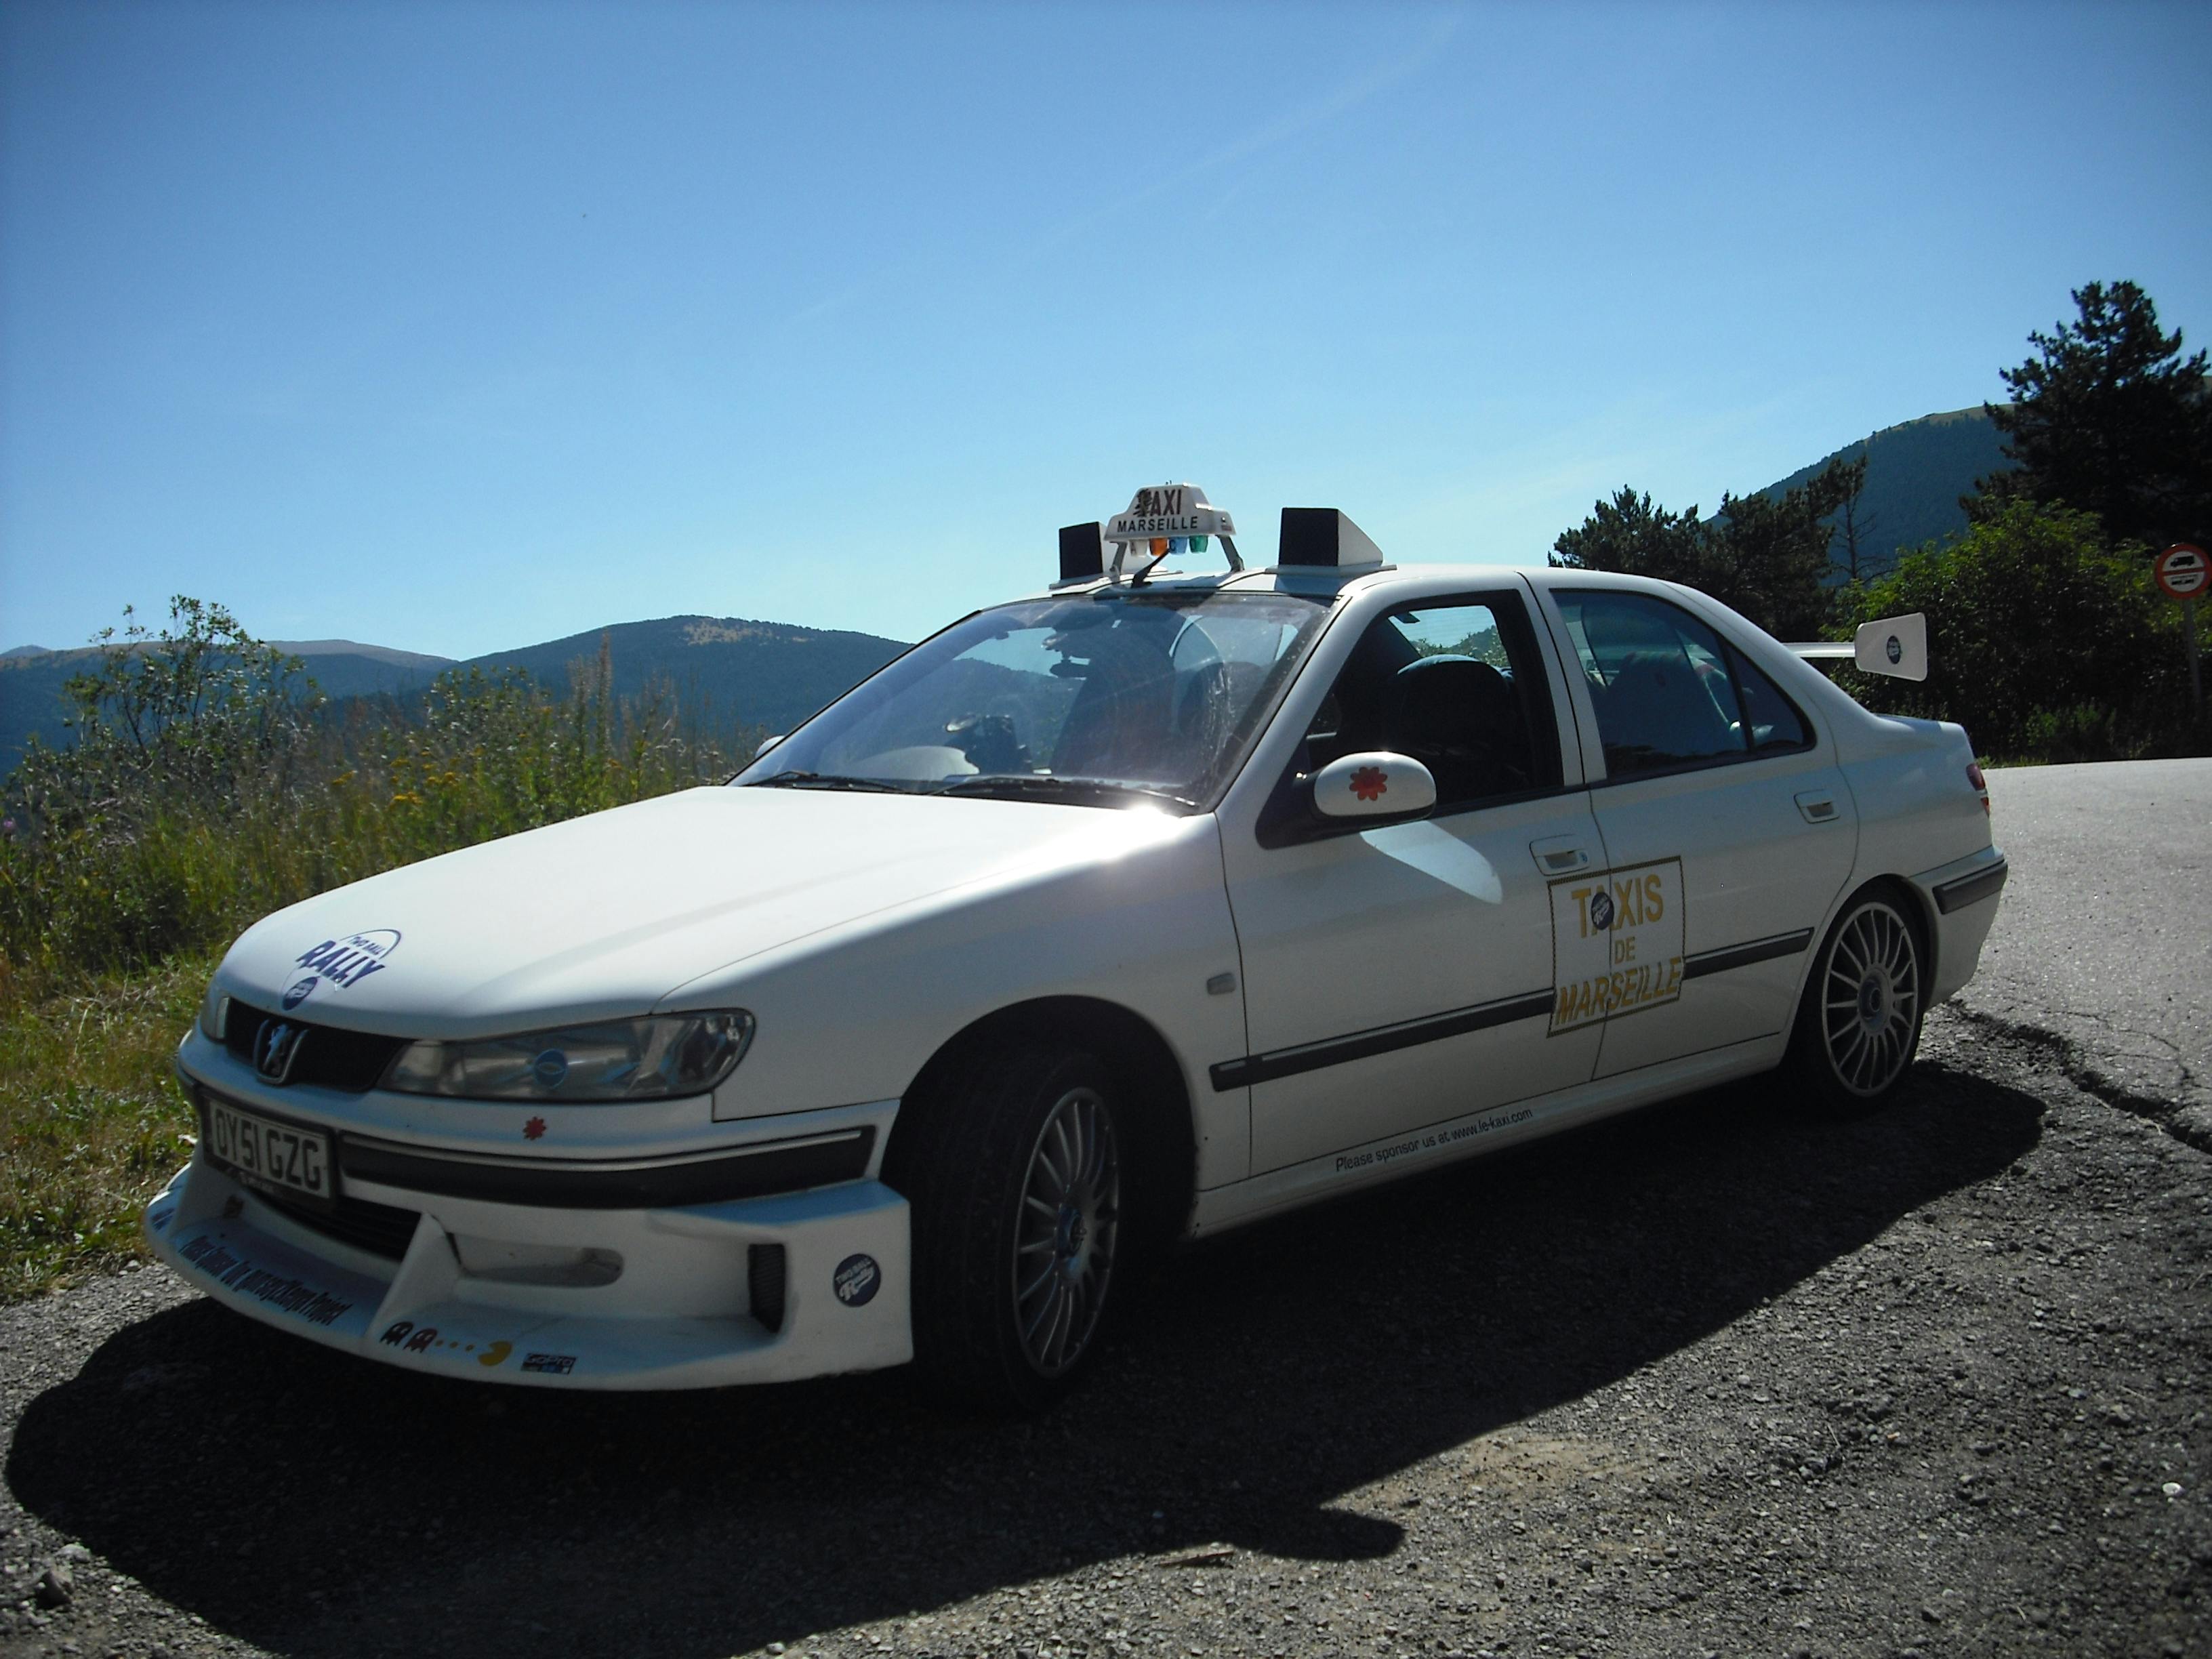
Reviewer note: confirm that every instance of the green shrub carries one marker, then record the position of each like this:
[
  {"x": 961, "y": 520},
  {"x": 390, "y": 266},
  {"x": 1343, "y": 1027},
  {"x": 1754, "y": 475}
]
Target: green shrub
[
  {"x": 209, "y": 783},
  {"x": 2042, "y": 642}
]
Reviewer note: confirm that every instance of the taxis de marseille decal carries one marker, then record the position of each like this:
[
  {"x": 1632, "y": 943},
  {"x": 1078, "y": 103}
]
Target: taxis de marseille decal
[{"x": 1616, "y": 943}]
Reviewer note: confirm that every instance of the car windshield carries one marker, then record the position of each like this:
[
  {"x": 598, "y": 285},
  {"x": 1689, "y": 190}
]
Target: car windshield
[{"x": 1102, "y": 698}]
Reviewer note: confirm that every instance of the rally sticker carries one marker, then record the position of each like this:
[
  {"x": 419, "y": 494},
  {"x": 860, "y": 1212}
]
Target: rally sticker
[
  {"x": 1616, "y": 943},
  {"x": 857, "y": 1280},
  {"x": 342, "y": 963}
]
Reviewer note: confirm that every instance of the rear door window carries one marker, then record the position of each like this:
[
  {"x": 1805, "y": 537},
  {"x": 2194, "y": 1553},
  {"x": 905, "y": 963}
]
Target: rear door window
[{"x": 1669, "y": 691}]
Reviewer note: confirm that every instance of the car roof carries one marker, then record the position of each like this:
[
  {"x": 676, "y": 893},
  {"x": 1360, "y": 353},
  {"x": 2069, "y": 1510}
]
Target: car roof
[{"x": 1318, "y": 582}]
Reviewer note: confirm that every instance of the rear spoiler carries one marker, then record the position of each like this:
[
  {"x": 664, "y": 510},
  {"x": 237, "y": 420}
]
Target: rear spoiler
[{"x": 1895, "y": 646}]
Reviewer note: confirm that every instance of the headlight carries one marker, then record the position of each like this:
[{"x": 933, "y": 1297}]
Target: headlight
[
  {"x": 214, "y": 1013},
  {"x": 656, "y": 1059}
]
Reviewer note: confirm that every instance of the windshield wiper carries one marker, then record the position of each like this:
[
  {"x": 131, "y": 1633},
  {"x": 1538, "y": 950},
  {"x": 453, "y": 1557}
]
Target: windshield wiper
[
  {"x": 825, "y": 781},
  {"x": 1095, "y": 792}
]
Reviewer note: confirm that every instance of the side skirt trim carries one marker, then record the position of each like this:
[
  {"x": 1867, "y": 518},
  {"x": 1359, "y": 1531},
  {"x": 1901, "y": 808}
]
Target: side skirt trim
[{"x": 1295, "y": 1185}]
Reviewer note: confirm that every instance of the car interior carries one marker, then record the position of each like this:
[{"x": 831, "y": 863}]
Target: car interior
[{"x": 1463, "y": 718}]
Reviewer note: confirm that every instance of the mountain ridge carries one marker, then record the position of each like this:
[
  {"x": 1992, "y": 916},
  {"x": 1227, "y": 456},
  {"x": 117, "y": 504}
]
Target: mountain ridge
[
  {"x": 725, "y": 671},
  {"x": 1916, "y": 472},
  {"x": 728, "y": 671},
  {"x": 731, "y": 668}
]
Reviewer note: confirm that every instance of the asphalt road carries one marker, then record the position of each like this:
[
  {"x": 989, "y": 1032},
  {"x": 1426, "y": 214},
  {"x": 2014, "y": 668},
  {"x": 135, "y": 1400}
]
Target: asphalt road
[
  {"x": 2104, "y": 940},
  {"x": 1711, "y": 1379}
]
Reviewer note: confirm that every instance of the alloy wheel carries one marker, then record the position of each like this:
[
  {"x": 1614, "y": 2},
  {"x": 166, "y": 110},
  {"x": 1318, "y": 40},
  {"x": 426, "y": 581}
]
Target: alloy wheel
[
  {"x": 1870, "y": 999},
  {"x": 1064, "y": 1241}
]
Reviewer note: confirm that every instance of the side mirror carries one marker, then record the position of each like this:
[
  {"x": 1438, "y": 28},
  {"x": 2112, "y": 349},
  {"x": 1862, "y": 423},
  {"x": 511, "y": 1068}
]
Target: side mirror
[
  {"x": 1374, "y": 784},
  {"x": 766, "y": 743}
]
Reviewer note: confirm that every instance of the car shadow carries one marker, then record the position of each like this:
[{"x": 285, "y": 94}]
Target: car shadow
[{"x": 311, "y": 1503}]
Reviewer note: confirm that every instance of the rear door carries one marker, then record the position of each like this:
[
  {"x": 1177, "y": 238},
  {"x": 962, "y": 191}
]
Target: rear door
[
  {"x": 1401, "y": 976},
  {"x": 1727, "y": 829}
]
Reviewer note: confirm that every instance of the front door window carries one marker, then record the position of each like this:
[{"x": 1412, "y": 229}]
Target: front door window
[{"x": 1457, "y": 686}]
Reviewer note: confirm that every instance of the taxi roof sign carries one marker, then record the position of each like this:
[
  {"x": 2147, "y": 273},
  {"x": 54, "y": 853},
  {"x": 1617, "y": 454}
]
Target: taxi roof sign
[{"x": 1168, "y": 511}]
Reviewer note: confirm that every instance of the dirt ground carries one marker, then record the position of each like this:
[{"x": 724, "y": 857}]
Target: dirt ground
[{"x": 1711, "y": 1379}]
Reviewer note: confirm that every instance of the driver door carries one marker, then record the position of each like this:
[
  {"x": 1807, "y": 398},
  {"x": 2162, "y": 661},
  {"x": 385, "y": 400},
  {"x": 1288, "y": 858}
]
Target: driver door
[{"x": 1400, "y": 977}]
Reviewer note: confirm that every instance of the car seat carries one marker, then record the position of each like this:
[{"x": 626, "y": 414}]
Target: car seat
[
  {"x": 1118, "y": 725},
  {"x": 1656, "y": 712},
  {"x": 1462, "y": 718}
]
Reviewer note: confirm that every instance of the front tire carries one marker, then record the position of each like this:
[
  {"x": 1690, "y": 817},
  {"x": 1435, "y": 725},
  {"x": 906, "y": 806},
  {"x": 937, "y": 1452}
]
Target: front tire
[
  {"x": 1858, "y": 1024},
  {"x": 1014, "y": 1172}
]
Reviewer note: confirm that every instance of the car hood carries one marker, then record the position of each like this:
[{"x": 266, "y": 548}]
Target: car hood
[{"x": 605, "y": 916}]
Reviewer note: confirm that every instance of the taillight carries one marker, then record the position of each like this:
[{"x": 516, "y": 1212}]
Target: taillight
[{"x": 1980, "y": 783}]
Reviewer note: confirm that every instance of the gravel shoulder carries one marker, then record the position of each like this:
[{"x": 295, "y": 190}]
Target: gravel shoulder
[{"x": 1710, "y": 1379}]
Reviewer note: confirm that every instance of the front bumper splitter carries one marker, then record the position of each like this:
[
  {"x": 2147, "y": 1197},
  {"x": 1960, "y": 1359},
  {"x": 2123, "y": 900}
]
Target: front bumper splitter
[{"x": 686, "y": 1321}]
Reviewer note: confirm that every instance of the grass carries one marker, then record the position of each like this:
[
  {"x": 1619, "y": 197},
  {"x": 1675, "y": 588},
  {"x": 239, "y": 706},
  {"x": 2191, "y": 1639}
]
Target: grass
[
  {"x": 91, "y": 1119},
  {"x": 206, "y": 789}
]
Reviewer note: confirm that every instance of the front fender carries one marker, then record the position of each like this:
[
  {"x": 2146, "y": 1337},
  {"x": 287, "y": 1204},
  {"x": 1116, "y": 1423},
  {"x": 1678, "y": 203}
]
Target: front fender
[{"x": 855, "y": 1013}]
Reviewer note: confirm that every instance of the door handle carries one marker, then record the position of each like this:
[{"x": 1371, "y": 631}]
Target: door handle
[
  {"x": 1818, "y": 806},
  {"x": 1557, "y": 855}
]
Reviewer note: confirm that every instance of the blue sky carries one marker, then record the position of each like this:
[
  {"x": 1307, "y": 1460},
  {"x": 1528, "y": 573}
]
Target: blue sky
[{"x": 458, "y": 327}]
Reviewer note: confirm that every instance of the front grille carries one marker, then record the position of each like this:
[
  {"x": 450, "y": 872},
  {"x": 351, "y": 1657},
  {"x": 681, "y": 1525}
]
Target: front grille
[
  {"x": 379, "y": 1229},
  {"x": 327, "y": 1058}
]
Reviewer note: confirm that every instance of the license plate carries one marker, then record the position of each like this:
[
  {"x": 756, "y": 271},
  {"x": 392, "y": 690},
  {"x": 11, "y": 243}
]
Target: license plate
[{"x": 279, "y": 1158}]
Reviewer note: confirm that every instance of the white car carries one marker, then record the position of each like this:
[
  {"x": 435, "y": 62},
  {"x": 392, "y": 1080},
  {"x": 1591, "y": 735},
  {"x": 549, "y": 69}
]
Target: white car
[{"x": 1128, "y": 912}]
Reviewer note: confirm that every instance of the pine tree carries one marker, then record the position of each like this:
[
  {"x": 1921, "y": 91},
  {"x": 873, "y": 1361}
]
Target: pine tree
[
  {"x": 1635, "y": 536},
  {"x": 1763, "y": 556},
  {"x": 2110, "y": 418}
]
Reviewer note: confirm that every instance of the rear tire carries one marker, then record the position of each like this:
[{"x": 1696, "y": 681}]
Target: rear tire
[
  {"x": 1014, "y": 1171},
  {"x": 1858, "y": 1023}
]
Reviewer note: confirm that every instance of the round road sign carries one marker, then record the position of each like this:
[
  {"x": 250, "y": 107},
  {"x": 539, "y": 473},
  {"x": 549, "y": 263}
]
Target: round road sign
[{"x": 2184, "y": 571}]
